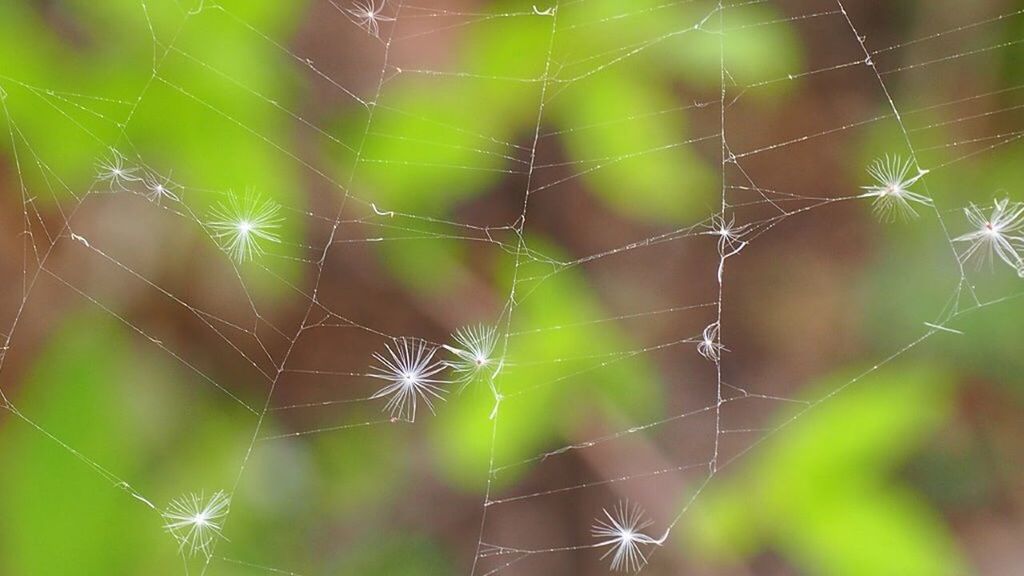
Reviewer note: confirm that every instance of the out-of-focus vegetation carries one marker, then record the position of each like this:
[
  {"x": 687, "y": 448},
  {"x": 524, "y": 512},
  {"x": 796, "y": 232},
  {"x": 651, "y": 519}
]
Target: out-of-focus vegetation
[
  {"x": 823, "y": 492},
  {"x": 223, "y": 100}
]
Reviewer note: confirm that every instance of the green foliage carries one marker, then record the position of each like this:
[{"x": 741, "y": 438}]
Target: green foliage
[
  {"x": 177, "y": 90},
  {"x": 206, "y": 102},
  {"x": 913, "y": 277},
  {"x": 638, "y": 165},
  {"x": 397, "y": 554},
  {"x": 545, "y": 400},
  {"x": 436, "y": 142},
  {"x": 358, "y": 469},
  {"x": 821, "y": 491},
  {"x": 131, "y": 411},
  {"x": 61, "y": 516}
]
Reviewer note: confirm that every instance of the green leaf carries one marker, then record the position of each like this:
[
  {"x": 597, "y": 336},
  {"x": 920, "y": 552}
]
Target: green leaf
[
  {"x": 545, "y": 400},
  {"x": 820, "y": 490},
  {"x": 757, "y": 49},
  {"x": 398, "y": 555},
  {"x": 630, "y": 142},
  {"x": 207, "y": 111},
  {"x": 60, "y": 515}
]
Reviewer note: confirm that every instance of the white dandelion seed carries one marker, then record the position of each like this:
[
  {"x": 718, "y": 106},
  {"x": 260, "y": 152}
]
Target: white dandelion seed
[
  {"x": 473, "y": 350},
  {"x": 730, "y": 239},
  {"x": 730, "y": 236},
  {"x": 995, "y": 234},
  {"x": 243, "y": 224},
  {"x": 709, "y": 346},
  {"x": 115, "y": 171},
  {"x": 195, "y": 522},
  {"x": 622, "y": 533},
  {"x": 367, "y": 15},
  {"x": 156, "y": 191},
  {"x": 891, "y": 190},
  {"x": 408, "y": 367}
]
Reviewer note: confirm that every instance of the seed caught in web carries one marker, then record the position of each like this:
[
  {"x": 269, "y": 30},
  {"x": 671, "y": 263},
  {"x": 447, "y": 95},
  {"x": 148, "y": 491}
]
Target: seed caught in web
[
  {"x": 244, "y": 224},
  {"x": 891, "y": 190},
  {"x": 408, "y": 366},
  {"x": 368, "y": 16},
  {"x": 473, "y": 351},
  {"x": 115, "y": 171},
  {"x": 158, "y": 189},
  {"x": 195, "y": 521},
  {"x": 709, "y": 345},
  {"x": 730, "y": 235},
  {"x": 621, "y": 531},
  {"x": 997, "y": 234}
]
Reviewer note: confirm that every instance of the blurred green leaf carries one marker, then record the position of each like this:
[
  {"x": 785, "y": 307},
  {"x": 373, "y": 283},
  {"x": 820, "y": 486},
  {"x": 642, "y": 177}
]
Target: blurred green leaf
[
  {"x": 437, "y": 141},
  {"x": 137, "y": 414},
  {"x": 916, "y": 274},
  {"x": 640, "y": 165},
  {"x": 758, "y": 46},
  {"x": 383, "y": 466},
  {"x": 396, "y": 555},
  {"x": 820, "y": 492},
  {"x": 196, "y": 97},
  {"x": 546, "y": 399},
  {"x": 60, "y": 515}
]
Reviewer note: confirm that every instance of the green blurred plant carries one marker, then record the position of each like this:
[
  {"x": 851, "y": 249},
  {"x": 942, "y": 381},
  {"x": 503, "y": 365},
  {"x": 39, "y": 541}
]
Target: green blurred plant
[
  {"x": 437, "y": 143},
  {"x": 821, "y": 491},
  {"x": 176, "y": 90}
]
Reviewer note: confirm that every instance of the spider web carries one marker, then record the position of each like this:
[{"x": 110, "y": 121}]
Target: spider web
[{"x": 664, "y": 459}]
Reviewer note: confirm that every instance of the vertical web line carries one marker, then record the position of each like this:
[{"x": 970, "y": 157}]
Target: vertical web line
[
  {"x": 303, "y": 326},
  {"x": 950, "y": 310},
  {"x": 518, "y": 226},
  {"x": 721, "y": 253},
  {"x": 726, "y": 157}
]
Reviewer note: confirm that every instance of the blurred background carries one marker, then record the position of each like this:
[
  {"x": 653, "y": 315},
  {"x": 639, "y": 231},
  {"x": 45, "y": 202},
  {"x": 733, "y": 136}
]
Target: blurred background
[{"x": 852, "y": 437}]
